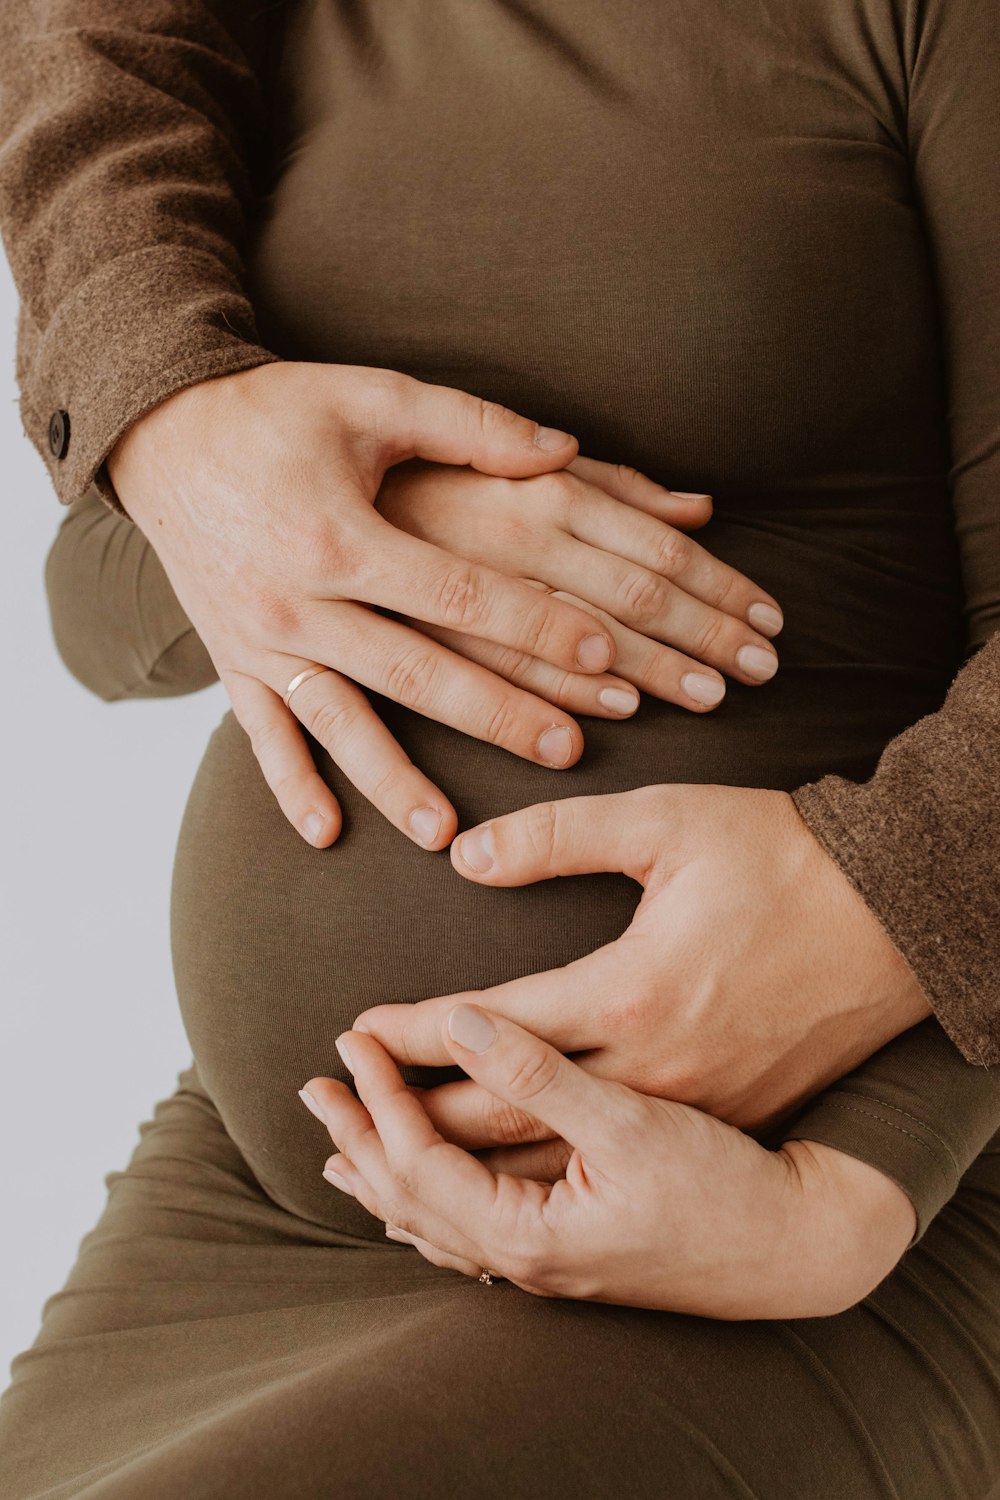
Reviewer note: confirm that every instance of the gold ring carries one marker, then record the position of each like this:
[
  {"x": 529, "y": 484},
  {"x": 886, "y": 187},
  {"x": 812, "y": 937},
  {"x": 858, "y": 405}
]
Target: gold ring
[
  {"x": 486, "y": 1276},
  {"x": 302, "y": 677}
]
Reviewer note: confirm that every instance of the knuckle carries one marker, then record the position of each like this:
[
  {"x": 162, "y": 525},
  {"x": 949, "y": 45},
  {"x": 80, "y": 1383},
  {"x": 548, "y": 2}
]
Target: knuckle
[
  {"x": 538, "y": 628},
  {"x": 334, "y": 555},
  {"x": 385, "y": 787},
  {"x": 563, "y": 689},
  {"x": 627, "y": 475},
  {"x": 532, "y": 1074},
  {"x": 394, "y": 1210},
  {"x": 332, "y": 720},
  {"x": 461, "y": 598},
  {"x": 265, "y": 737},
  {"x": 727, "y": 588},
  {"x": 412, "y": 677},
  {"x": 642, "y": 596},
  {"x": 507, "y": 1125},
  {"x": 542, "y": 830},
  {"x": 274, "y": 613},
  {"x": 500, "y": 727},
  {"x": 559, "y": 491},
  {"x": 383, "y": 395},
  {"x": 492, "y": 417},
  {"x": 673, "y": 551},
  {"x": 510, "y": 663},
  {"x": 708, "y": 634}
]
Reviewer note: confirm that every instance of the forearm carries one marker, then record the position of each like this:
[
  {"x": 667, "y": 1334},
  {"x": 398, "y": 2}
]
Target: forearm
[{"x": 919, "y": 842}]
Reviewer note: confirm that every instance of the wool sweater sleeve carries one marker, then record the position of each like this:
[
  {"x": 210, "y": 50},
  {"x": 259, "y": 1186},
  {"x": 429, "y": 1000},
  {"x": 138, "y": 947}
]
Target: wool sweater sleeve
[
  {"x": 130, "y": 138},
  {"x": 920, "y": 839}
]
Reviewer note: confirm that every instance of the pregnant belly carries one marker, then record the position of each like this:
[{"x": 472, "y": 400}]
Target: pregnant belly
[{"x": 278, "y": 946}]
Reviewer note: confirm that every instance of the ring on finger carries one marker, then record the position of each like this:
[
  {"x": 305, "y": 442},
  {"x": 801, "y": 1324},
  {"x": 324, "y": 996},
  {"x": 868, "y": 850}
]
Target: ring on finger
[{"x": 300, "y": 678}]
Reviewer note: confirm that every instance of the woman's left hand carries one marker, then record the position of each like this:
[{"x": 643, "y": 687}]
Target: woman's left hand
[
  {"x": 751, "y": 976},
  {"x": 661, "y": 1206}
]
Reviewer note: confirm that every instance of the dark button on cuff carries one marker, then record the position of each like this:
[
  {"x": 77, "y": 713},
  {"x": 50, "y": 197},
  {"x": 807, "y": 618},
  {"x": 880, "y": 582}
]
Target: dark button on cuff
[{"x": 59, "y": 434}]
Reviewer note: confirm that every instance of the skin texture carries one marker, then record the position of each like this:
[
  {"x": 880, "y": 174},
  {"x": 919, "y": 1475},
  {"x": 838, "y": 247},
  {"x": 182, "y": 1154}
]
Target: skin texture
[
  {"x": 706, "y": 998},
  {"x": 258, "y": 491},
  {"x": 660, "y": 1205}
]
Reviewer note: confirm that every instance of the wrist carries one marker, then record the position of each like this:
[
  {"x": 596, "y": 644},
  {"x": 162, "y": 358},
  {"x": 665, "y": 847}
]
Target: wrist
[{"x": 853, "y": 1224}]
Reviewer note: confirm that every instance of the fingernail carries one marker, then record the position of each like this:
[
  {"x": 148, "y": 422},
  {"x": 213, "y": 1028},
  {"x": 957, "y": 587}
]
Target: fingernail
[
  {"x": 310, "y": 1104},
  {"x": 550, "y": 438},
  {"x": 338, "y": 1182},
  {"x": 345, "y": 1056},
  {"x": 471, "y": 1028},
  {"x": 594, "y": 653},
  {"x": 766, "y": 618},
  {"x": 476, "y": 848},
  {"x": 757, "y": 663},
  {"x": 398, "y": 1234},
  {"x": 619, "y": 700},
  {"x": 555, "y": 746},
  {"x": 425, "y": 822},
  {"x": 689, "y": 495},
  {"x": 703, "y": 689},
  {"x": 313, "y": 827}
]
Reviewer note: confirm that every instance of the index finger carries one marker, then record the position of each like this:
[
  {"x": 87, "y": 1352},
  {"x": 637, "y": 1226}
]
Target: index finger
[
  {"x": 420, "y": 1164},
  {"x": 406, "y": 574},
  {"x": 563, "y": 1003},
  {"x": 589, "y": 1113}
]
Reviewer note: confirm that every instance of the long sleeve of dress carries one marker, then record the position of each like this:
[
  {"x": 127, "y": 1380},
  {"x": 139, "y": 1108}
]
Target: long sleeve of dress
[
  {"x": 919, "y": 840},
  {"x": 129, "y": 137}
]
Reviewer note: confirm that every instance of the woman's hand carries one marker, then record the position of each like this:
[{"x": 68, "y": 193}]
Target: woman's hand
[
  {"x": 612, "y": 540},
  {"x": 257, "y": 492},
  {"x": 661, "y": 1206},
  {"x": 752, "y": 974}
]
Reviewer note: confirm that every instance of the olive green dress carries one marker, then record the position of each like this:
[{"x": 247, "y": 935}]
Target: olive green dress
[{"x": 696, "y": 236}]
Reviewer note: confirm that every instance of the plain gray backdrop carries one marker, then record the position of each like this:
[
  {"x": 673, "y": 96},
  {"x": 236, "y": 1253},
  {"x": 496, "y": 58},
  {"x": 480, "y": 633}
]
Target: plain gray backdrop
[{"x": 92, "y": 796}]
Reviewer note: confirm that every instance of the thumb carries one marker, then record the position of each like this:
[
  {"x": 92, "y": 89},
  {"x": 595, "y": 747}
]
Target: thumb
[
  {"x": 515, "y": 1065},
  {"x": 450, "y": 426},
  {"x": 573, "y": 836}
]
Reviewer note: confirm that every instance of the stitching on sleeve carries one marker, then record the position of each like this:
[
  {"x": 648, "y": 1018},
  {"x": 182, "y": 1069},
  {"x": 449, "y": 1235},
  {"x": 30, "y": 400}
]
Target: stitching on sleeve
[
  {"x": 900, "y": 1129},
  {"x": 917, "y": 1121}
]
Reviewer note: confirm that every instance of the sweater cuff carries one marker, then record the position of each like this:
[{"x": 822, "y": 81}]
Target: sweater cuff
[
  {"x": 918, "y": 842},
  {"x": 109, "y": 355}
]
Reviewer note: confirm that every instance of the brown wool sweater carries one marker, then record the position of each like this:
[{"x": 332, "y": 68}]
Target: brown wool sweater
[{"x": 151, "y": 119}]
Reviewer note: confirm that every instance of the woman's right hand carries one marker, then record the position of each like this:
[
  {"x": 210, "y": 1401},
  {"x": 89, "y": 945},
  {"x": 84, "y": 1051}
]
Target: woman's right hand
[
  {"x": 257, "y": 492},
  {"x": 609, "y": 538}
]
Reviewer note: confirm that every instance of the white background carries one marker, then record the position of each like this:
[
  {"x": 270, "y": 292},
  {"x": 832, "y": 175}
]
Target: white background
[{"x": 91, "y": 796}]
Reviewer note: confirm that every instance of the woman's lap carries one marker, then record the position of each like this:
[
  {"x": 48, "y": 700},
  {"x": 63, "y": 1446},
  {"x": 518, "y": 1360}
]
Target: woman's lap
[{"x": 208, "y": 1343}]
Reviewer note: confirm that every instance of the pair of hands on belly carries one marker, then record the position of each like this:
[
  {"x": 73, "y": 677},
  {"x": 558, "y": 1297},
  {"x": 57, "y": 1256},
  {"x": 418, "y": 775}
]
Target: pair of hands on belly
[
  {"x": 751, "y": 975},
  {"x": 290, "y": 506},
  {"x": 436, "y": 548}
]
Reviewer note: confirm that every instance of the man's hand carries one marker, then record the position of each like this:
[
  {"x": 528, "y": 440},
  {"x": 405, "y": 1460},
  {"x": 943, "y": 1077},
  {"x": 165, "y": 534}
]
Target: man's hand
[
  {"x": 257, "y": 492},
  {"x": 752, "y": 974},
  {"x": 660, "y": 1206}
]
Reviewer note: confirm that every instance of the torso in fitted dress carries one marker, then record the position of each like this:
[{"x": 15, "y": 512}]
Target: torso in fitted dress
[{"x": 703, "y": 261}]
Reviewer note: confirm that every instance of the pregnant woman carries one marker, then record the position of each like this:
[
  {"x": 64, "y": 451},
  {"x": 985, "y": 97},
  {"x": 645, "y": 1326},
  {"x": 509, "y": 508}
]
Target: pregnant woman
[{"x": 748, "y": 251}]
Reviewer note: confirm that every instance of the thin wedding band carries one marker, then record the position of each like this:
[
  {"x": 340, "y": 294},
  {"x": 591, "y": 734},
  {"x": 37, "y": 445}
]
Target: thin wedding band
[
  {"x": 302, "y": 677},
  {"x": 486, "y": 1276}
]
